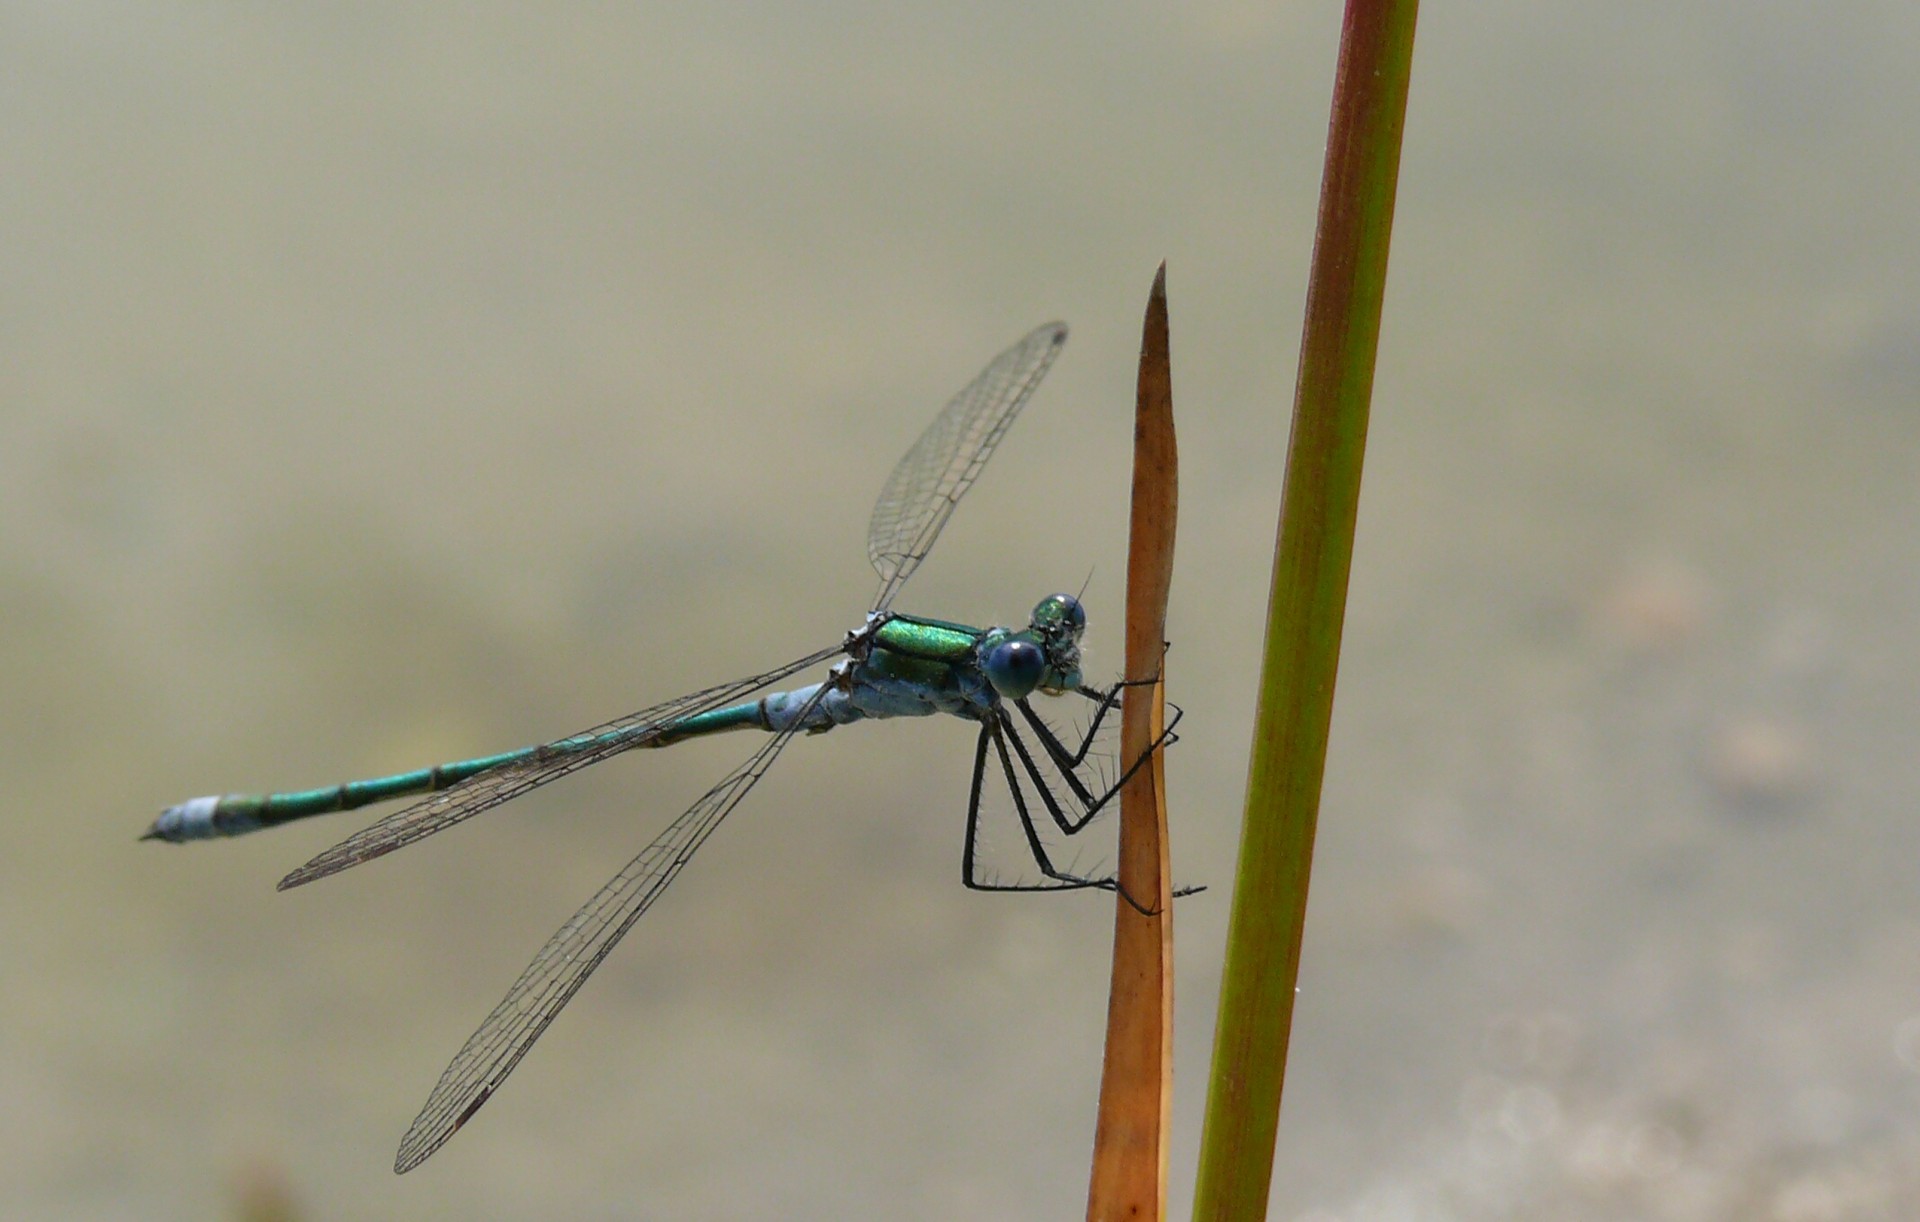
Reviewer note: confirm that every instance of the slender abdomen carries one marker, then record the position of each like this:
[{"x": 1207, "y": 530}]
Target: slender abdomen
[{"x": 236, "y": 814}]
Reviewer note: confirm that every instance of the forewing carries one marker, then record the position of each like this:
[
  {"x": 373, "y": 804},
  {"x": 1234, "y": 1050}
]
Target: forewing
[
  {"x": 569, "y": 957},
  {"x": 496, "y": 785},
  {"x": 930, "y": 480}
]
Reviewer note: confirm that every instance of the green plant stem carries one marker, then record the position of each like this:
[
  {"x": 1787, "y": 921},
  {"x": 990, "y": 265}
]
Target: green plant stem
[{"x": 1306, "y": 608}]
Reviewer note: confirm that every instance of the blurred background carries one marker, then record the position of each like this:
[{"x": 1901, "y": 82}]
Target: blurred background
[{"x": 381, "y": 386}]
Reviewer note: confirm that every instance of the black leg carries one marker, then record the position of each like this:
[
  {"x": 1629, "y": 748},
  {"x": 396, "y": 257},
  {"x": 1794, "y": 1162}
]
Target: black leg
[
  {"x": 1059, "y": 816},
  {"x": 1107, "y": 700},
  {"x": 968, "y": 851},
  {"x": 1060, "y": 880},
  {"x": 1089, "y": 804},
  {"x": 1068, "y": 762},
  {"x": 1000, "y": 729}
]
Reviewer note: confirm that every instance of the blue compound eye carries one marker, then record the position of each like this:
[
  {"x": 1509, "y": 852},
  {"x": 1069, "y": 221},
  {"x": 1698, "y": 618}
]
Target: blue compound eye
[
  {"x": 1014, "y": 668},
  {"x": 1060, "y": 612}
]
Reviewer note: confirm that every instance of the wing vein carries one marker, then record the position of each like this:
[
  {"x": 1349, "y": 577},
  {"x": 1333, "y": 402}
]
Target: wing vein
[
  {"x": 570, "y": 956},
  {"x": 929, "y": 480},
  {"x": 488, "y": 789}
]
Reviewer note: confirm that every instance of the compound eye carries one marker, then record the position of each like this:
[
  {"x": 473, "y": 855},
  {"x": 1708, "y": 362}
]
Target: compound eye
[
  {"x": 1061, "y": 611},
  {"x": 1015, "y": 668}
]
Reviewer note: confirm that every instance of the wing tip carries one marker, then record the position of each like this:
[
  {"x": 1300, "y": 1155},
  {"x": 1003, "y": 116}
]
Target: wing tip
[
  {"x": 420, "y": 1143},
  {"x": 318, "y": 868}
]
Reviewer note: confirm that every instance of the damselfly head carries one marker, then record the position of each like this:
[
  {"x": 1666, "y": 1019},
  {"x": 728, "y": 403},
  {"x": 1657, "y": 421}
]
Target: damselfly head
[
  {"x": 1058, "y": 623},
  {"x": 1043, "y": 657}
]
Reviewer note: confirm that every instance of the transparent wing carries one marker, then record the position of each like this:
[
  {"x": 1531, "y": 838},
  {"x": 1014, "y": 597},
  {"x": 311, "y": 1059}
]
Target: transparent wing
[
  {"x": 942, "y": 465},
  {"x": 496, "y": 785},
  {"x": 569, "y": 957}
]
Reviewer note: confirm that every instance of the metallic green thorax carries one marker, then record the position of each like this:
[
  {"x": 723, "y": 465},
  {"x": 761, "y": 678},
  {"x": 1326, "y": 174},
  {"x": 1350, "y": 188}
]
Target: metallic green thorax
[{"x": 930, "y": 639}]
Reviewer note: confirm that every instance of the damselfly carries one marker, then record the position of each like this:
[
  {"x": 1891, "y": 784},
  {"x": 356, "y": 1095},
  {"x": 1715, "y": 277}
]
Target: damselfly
[{"x": 892, "y": 665}]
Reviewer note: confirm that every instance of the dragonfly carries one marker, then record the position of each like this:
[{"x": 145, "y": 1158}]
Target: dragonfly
[{"x": 891, "y": 665}]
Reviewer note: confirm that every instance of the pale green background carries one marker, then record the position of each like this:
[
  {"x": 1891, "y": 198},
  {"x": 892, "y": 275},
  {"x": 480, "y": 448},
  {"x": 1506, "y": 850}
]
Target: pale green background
[{"x": 384, "y": 384}]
